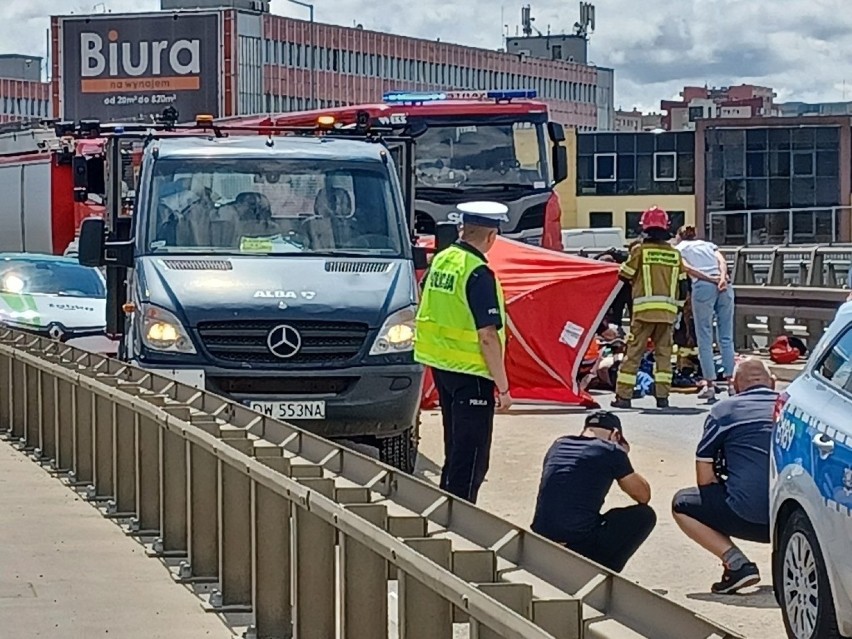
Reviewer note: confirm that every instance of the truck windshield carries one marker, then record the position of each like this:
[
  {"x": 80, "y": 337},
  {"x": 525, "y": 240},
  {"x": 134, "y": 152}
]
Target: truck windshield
[
  {"x": 482, "y": 155},
  {"x": 273, "y": 207}
]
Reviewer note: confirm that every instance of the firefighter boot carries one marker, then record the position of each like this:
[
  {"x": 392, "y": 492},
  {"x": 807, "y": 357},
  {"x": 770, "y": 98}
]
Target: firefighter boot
[{"x": 618, "y": 402}]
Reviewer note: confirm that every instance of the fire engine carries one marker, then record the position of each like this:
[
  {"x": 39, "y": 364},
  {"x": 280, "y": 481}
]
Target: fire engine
[
  {"x": 52, "y": 178},
  {"x": 469, "y": 145}
]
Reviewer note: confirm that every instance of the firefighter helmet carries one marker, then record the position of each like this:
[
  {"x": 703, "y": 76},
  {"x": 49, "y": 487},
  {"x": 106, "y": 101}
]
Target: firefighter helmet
[{"x": 655, "y": 218}]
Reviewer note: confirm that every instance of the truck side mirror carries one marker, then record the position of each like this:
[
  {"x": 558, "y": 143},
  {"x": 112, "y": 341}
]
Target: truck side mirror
[
  {"x": 92, "y": 242},
  {"x": 560, "y": 163},
  {"x": 556, "y": 132},
  {"x": 421, "y": 258}
]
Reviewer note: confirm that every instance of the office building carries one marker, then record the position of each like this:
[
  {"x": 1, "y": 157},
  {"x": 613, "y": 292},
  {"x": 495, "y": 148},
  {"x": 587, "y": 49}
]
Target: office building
[{"x": 23, "y": 95}]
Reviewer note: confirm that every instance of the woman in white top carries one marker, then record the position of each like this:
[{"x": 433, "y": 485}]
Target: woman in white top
[{"x": 709, "y": 300}]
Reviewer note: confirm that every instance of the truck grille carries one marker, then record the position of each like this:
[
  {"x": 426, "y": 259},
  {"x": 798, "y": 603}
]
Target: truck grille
[
  {"x": 244, "y": 342},
  {"x": 281, "y": 386}
]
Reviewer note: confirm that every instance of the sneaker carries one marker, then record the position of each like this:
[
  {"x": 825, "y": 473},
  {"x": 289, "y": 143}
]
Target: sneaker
[
  {"x": 662, "y": 402},
  {"x": 733, "y": 580},
  {"x": 708, "y": 392},
  {"x": 621, "y": 403}
]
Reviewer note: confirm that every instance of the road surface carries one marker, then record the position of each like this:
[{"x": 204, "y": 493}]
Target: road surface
[{"x": 663, "y": 447}]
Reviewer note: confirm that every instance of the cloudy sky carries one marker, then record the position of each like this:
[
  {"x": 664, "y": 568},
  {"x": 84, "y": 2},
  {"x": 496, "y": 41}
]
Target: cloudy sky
[{"x": 800, "y": 47}]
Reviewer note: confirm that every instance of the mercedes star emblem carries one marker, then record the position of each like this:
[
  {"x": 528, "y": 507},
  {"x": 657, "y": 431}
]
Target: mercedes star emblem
[{"x": 284, "y": 341}]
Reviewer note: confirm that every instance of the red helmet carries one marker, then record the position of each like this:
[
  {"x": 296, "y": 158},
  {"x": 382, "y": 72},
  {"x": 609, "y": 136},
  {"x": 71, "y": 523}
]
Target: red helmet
[{"x": 654, "y": 218}]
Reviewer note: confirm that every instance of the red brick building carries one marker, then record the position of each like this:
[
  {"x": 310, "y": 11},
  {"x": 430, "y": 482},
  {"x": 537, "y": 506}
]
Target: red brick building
[
  {"x": 23, "y": 96},
  {"x": 703, "y": 103},
  {"x": 356, "y": 65}
]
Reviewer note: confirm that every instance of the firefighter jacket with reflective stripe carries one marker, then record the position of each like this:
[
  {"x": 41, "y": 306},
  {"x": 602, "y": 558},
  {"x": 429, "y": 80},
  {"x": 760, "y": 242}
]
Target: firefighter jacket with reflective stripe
[
  {"x": 655, "y": 271},
  {"x": 446, "y": 337}
]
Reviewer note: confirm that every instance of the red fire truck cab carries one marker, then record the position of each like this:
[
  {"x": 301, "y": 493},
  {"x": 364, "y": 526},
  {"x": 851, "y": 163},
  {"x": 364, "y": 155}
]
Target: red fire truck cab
[{"x": 470, "y": 145}]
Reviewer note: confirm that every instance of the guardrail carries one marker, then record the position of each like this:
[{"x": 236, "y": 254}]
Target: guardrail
[
  {"x": 824, "y": 266},
  {"x": 288, "y": 527}
]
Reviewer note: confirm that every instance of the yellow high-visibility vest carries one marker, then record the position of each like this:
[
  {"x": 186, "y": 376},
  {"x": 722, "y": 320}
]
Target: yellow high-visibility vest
[{"x": 446, "y": 337}]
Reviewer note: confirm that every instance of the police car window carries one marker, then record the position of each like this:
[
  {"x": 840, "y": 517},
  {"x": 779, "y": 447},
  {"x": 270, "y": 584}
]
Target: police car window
[
  {"x": 31, "y": 277},
  {"x": 273, "y": 206},
  {"x": 836, "y": 365}
]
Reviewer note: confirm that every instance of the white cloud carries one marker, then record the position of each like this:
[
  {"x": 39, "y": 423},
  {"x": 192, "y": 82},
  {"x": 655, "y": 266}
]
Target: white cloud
[{"x": 802, "y": 49}]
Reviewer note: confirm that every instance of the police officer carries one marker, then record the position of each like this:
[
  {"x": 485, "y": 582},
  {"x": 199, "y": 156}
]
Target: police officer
[
  {"x": 460, "y": 333},
  {"x": 657, "y": 275}
]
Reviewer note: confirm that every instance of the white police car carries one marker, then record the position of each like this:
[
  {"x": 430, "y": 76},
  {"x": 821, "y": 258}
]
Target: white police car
[
  {"x": 811, "y": 491},
  {"x": 51, "y": 296}
]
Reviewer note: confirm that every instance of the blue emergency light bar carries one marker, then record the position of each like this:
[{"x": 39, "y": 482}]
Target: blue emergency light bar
[{"x": 413, "y": 97}]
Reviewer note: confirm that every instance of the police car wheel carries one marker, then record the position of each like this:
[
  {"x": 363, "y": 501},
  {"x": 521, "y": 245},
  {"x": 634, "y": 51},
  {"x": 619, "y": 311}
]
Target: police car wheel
[{"x": 807, "y": 606}]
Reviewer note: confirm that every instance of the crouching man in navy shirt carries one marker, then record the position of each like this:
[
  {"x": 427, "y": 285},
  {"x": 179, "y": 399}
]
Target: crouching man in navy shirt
[
  {"x": 577, "y": 475},
  {"x": 731, "y": 499}
]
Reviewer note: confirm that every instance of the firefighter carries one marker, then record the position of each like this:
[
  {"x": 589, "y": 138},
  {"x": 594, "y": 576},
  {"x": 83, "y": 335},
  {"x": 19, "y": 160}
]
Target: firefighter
[
  {"x": 461, "y": 334},
  {"x": 658, "y": 277}
]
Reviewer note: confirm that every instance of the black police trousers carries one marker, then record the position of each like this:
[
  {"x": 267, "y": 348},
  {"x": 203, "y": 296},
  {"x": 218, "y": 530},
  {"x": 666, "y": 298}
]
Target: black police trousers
[{"x": 467, "y": 408}]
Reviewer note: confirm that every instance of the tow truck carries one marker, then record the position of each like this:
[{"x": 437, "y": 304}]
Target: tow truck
[
  {"x": 228, "y": 278},
  {"x": 471, "y": 145}
]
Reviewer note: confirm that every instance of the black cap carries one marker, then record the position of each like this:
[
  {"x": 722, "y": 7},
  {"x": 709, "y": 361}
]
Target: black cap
[{"x": 606, "y": 420}]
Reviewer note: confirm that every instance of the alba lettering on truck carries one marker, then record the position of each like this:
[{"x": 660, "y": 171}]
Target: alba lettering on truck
[{"x": 183, "y": 57}]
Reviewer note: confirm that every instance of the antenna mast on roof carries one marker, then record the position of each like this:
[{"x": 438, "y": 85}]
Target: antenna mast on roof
[
  {"x": 587, "y": 20},
  {"x": 527, "y": 21}
]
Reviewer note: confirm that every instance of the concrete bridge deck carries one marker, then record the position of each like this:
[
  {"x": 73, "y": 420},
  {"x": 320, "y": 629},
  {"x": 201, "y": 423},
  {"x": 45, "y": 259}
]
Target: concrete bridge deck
[{"x": 66, "y": 572}]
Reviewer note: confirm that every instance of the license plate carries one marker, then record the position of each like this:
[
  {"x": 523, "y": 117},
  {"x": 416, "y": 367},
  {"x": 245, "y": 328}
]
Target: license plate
[{"x": 290, "y": 410}]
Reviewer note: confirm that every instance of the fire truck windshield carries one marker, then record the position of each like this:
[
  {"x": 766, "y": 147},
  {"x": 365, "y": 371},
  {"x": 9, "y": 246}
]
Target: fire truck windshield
[
  {"x": 309, "y": 207},
  {"x": 482, "y": 156}
]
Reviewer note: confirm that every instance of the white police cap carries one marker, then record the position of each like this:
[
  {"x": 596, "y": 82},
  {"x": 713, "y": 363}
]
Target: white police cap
[{"x": 487, "y": 214}]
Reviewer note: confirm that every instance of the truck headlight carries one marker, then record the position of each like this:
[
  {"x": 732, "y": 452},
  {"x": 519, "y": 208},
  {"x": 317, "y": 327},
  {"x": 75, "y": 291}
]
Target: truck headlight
[
  {"x": 397, "y": 333},
  {"x": 162, "y": 331}
]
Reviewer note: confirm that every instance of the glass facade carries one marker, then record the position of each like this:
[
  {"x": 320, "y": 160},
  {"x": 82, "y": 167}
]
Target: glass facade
[
  {"x": 641, "y": 163},
  {"x": 790, "y": 175}
]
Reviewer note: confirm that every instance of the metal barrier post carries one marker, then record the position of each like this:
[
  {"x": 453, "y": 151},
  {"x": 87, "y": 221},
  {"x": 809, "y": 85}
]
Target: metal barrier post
[
  {"x": 84, "y": 422},
  {"x": 424, "y": 614},
  {"x": 516, "y": 597},
  {"x": 147, "y": 477},
  {"x": 315, "y": 568},
  {"x": 33, "y": 407},
  {"x": 203, "y": 522},
  {"x": 103, "y": 485},
  {"x": 5, "y": 393},
  {"x": 172, "y": 492},
  {"x": 65, "y": 418},
  {"x": 235, "y": 552},
  {"x": 49, "y": 416},
  {"x": 272, "y": 566},
  {"x": 124, "y": 461},
  {"x": 364, "y": 581}
]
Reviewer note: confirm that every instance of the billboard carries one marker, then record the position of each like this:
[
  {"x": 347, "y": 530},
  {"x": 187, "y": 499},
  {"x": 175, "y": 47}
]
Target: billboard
[{"x": 132, "y": 67}]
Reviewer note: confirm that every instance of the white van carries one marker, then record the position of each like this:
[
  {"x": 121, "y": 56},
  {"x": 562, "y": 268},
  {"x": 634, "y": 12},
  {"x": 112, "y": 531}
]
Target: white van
[{"x": 598, "y": 238}]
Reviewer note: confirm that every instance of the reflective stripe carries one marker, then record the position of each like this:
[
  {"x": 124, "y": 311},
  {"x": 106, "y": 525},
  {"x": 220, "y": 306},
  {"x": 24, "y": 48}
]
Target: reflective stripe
[
  {"x": 661, "y": 257},
  {"x": 647, "y": 284},
  {"x": 673, "y": 287},
  {"x": 626, "y": 379},
  {"x": 627, "y": 271},
  {"x": 663, "y": 377},
  {"x": 656, "y": 306},
  {"x": 445, "y": 335}
]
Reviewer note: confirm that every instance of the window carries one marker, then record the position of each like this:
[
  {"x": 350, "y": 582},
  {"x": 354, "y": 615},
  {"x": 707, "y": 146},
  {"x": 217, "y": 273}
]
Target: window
[
  {"x": 696, "y": 113},
  {"x": 605, "y": 167},
  {"x": 803, "y": 163},
  {"x": 632, "y": 228},
  {"x": 676, "y": 220},
  {"x": 836, "y": 365},
  {"x": 600, "y": 220},
  {"x": 665, "y": 167}
]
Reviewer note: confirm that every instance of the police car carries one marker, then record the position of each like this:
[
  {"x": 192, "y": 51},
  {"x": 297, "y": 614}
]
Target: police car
[
  {"x": 51, "y": 296},
  {"x": 811, "y": 491}
]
